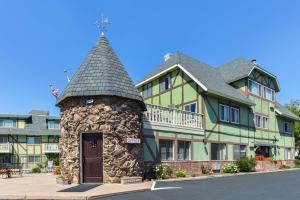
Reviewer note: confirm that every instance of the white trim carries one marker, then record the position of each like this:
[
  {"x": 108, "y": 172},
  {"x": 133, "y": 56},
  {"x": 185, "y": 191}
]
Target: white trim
[
  {"x": 170, "y": 68},
  {"x": 188, "y": 104},
  {"x": 260, "y": 121},
  {"x": 230, "y": 114}
]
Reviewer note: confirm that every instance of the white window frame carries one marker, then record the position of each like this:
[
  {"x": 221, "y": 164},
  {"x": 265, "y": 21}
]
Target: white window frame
[
  {"x": 262, "y": 120},
  {"x": 259, "y": 87},
  {"x": 53, "y": 121},
  {"x": 146, "y": 88},
  {"x": 226, "y": 150},
  {"x": 239, "y": 148},
  {"x": 162, "y": 79},
  {"x": 13, "y": 122},
  {"x": 287, "y": 153},
  {"x": 220, "y": 117},
  {"x": 289, "y": 126},
  {"x": 265, "y": 88},
  {"x": 190, "y": 147},
  {"x": 189, "y": 104},
  {"x": 173, "y": 147},
  {"x": 238, "y": 115}
]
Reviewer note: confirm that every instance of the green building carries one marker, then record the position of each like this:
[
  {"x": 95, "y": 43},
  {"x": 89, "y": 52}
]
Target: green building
[
  {"x": 26, "y": 140},
  {"x": 196, "y": 112}
]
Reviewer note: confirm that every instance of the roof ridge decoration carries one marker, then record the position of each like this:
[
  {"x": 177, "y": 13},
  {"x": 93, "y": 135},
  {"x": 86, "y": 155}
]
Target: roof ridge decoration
[{"x": 101, "y": 73}]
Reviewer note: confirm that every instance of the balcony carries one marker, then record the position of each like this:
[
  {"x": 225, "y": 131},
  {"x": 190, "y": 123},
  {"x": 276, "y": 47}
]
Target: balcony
[
  {"x": 5, "y": 147},
  {"x": 51, "y": 148},
  {"x": 172, "y": 118}
]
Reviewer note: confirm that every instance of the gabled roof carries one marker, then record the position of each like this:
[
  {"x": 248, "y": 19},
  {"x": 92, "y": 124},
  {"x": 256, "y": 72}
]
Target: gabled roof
[
  {"x": 241, "y": 68},
  {"x": 283, "y": 111},
  {"x": 204, "y": 75},
  {"x": 101, "y": 74}
]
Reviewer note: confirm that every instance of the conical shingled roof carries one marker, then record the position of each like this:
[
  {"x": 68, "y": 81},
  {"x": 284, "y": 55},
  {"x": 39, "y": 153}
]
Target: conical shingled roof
[{"x": 101, "y": 74}]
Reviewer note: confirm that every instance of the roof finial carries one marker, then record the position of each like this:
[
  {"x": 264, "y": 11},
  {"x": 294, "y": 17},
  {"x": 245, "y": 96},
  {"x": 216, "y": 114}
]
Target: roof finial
[{"x": 101, "y": 24}]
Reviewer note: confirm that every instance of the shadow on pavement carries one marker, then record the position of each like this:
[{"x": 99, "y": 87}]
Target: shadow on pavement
[{"x": 80, "y": 188}]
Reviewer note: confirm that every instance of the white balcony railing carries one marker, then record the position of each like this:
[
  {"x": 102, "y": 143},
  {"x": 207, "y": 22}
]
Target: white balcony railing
[
  {"x": 51, "y": 148},
  {"x": 173, "y": 116},
  {"x": 5, "y": 147}
]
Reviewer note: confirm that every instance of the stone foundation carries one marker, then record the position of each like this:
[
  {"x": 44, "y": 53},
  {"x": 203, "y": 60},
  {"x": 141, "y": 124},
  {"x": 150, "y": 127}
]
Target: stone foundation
[{"x": 117, "y": 119}]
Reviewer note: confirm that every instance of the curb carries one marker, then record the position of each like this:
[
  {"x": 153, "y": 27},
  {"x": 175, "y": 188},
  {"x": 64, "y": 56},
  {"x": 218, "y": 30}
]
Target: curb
[{"x": 224, "y": 175}]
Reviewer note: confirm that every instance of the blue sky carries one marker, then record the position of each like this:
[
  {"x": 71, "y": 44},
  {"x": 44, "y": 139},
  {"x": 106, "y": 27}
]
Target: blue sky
[{"x": 39, "y": 39}]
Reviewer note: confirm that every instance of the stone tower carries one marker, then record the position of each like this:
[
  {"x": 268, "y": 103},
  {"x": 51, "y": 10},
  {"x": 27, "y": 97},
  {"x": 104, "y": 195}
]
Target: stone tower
[{"x": 101, "y": 98}]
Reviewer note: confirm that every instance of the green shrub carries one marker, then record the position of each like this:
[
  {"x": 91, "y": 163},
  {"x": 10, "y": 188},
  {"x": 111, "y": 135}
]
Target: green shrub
[
  {"x": 36, "y": 170},
  {"x": 162, "y": 171},
  {"x": 206, "y": 169},
  {"x": 231, "y": 168},
  {"x": 61, "y": 177},
  {"x": 285, "y": 167},
  {"x": 297, "y": 163},
  {"x": 194, "y": 175},
  {"x": 246, "y": 164},
  {"x": 180, "y": 173}
]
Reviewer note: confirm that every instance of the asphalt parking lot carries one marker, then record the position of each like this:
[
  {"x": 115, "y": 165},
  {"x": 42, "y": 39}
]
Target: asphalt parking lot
[{"x": 267, "y": 186}]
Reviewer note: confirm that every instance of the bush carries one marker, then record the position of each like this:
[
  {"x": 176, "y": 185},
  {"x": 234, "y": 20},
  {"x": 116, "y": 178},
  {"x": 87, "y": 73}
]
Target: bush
[
  {"x": 231, "y": 168},
  {"x": 57, "y": 170},
  {"x": 285, "y": 167},
  {"x": 246, "y": 164},
  {"x": 36, "y": 170},
  {"x": 180, "y": 173},
  {"x": 206, "y": 169},
  {"x": 162, "y": 171},
  {"x": 297, "y": 163}
]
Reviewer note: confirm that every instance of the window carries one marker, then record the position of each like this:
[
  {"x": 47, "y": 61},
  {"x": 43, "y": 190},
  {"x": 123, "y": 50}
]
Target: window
[
  {"x": 166, "y": 149},
  {"x": 34, "y": 159},
  {"x": 257, "y": 121},
  {"x": 53, "y": 124},
  {"x": 265, "y": 122},
  {"x": 183, "y": 150},
  {"x": 287, "y": 153},
  {"x": 165, "y": 83},
  {"x": 191, "y": 107},
  {"x": 268, "y": 93},
  {"x": 224, "y": 113},
  {"x": 287, "y": 127},
  {"x": 254, "y": 88},
  {"x": 8, "y": 123},
  {"x": 147, "y": 90},
  {"x": 218, "y": 151},
  {"x": 239, "y": 151},
  {"x": 33, "y": 140},
  {"x": 3, "y": 139},
  {"x": 234, "y": 115}
]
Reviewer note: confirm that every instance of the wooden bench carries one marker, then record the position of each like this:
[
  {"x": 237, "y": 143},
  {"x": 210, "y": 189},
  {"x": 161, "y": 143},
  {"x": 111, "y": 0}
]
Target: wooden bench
[{"x": 8, "y": 171}]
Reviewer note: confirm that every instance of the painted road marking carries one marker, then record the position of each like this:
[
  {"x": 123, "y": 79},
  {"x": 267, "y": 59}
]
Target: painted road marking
[{"x": 163, "y": 188}]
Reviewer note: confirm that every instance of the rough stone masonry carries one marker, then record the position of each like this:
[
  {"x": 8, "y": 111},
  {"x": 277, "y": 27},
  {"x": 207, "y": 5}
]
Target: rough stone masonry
[{"x": 116, "y": 118}]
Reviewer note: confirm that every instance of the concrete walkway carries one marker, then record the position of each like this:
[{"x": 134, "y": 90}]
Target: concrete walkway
[{"x": 44, "y": 186}]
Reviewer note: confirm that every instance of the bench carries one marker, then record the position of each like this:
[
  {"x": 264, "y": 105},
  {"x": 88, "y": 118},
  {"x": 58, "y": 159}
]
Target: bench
[{"x": 8, "y": 170}]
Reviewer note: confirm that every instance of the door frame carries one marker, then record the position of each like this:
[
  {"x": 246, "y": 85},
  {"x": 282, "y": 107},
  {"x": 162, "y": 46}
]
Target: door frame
[{"x": 80, "y": 154}]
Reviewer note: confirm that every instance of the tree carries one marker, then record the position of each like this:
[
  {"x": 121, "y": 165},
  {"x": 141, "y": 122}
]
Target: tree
[{"x": 294, "y": 106}]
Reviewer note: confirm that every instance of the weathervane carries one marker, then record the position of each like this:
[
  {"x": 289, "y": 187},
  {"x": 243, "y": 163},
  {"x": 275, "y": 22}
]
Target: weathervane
[{"x": 101, "y": 24}]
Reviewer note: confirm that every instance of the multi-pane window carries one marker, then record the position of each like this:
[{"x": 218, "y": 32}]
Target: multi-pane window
[
  {"x": 192, "y": 107},
  {"x": 218, "y": 151},
  {"x": 268, "y": 93},
  {"x": 183, "y": 151},
  {"x": 53, "y": 124},
  {"x": 34, "y": 140},
  {"x": 166, "y": 149},
  {"x": 147, "y": 90},
  {"x": 287, "y": 127},
  {"x": 239, "y": 151},
  {"x": 234, "y": 115},
  {"x": 265, "y": 122},
  {"x": 3, "y": 139},
  {"x": 165, "y": 83},
  {"x": 34, "y": 159},
  {"x": 258, "y": 121},
  {"x": 8, "y": 123},
  {"x": 254, "y": 88},
  {"x": 224, "y": 113},
  {"x": 287, "y": 153}
]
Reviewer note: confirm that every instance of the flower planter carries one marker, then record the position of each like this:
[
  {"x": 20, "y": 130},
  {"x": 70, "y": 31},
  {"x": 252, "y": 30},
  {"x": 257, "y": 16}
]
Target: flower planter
[{"x": 63, "y": 181}]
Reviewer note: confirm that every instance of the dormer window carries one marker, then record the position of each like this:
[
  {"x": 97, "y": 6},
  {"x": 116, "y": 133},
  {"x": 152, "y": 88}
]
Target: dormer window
[
  {"x": 8, "y": 123},
  {"x": 165, "y": 83},
  {"x": 268, "y": 93},
  {"x": 287, "y": 127},
  {"x": 53, "y": 124},
  {"x": 254, "y": 88}
]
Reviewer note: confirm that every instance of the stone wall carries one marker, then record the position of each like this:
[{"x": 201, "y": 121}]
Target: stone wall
[{"x": 116, "y": 118}]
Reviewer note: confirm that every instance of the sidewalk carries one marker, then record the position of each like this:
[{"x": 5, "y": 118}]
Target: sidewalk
[{"x": 44, "y": 186}]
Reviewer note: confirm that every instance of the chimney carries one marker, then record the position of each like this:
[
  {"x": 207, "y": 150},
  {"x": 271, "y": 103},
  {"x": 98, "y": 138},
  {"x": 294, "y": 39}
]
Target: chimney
[
  {"x": 253, "y": 61},
  {"x": 167, "y": 56}
]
